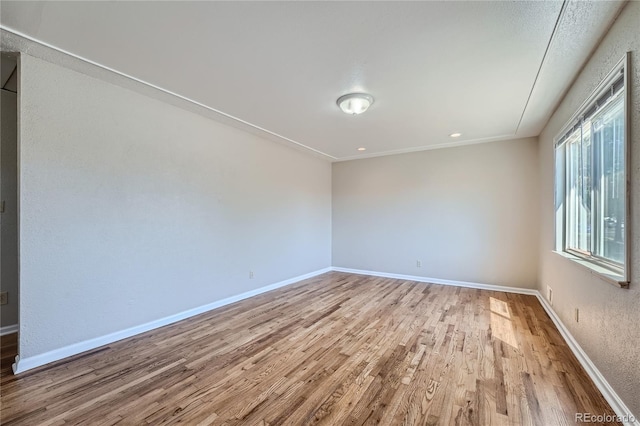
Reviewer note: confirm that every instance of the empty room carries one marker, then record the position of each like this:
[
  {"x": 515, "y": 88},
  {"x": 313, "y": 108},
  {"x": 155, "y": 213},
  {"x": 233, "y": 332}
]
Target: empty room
[{"x": 320, "y": 212}]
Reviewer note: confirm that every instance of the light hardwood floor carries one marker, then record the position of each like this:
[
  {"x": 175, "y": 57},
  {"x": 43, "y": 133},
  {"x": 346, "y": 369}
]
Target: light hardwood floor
[{"x": 335, "y": 349}]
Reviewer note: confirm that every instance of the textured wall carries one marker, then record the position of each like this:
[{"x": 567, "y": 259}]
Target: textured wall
[
  {"x": 9, "y": 249},
  {"x": 468, "y": 213},
  {"x": 133, "y": 210},
  {"x": 609, "y": 329}
]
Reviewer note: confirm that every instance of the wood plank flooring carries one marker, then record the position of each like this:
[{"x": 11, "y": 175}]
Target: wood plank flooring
[
  {"x": 335, "y": 349},
  {"x": 8, "y": 351}
]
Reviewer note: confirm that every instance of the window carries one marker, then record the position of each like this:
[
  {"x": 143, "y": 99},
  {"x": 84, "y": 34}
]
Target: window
[{"x": 591, "y": 181}]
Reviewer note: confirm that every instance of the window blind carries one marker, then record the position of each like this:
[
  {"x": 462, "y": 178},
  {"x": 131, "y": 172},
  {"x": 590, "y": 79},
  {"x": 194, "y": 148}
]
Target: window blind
[{"x": 597, "y": 104}]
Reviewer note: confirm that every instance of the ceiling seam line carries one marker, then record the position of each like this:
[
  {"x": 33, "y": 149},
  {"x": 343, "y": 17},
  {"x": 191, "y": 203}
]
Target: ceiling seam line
[
  {"x": 166, "y": 91},
  {"x": 544, "y": 57}
]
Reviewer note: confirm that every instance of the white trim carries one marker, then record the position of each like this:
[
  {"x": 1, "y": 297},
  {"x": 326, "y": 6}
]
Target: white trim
[
  {"x": 23, "y": 364},
  {"x": 598, "y": 271},
  {"x": 618, "y": 406},
  {"x": 605, "y": 269},
  {"x": 601, "y": 383},
  {"x": 499, "y": 138},
  {"x": 317, "y": 152},
  {"x": 168, "y": 92},
  {"x": 616, "y": 403},
  {"x": 8, "y": 329},
  {"x": 622, "y": 64},
  {"x": 439, "y": 281}
]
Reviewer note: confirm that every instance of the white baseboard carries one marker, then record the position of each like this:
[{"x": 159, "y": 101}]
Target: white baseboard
[
  {"x": 8, "y": 329},
  {"x": 23, "y": 364},
  {"x": 601, "y": 383},
  {"x": 618, "y": 406},
  {"x": 439, "y": 281}
]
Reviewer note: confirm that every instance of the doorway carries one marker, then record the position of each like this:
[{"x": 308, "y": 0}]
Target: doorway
[{"x": 9, "y": 288}]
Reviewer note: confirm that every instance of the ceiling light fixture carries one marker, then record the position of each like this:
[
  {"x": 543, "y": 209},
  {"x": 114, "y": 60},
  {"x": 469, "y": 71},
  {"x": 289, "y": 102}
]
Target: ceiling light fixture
[
  {"x": 355, "y": 103},
  {"x": 362, "y": 149},
  {"x": 455, "y": 135}
]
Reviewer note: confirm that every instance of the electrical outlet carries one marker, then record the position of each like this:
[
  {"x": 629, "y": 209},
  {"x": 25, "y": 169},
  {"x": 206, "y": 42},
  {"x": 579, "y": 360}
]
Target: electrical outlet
[
  {"x": 4, "y": 298},
  {"x": 577, "y": 315},
  {"x": 550, "y": 295},
  {"x": 250, "y": 275},
  {"x": 418, "y": 264}
]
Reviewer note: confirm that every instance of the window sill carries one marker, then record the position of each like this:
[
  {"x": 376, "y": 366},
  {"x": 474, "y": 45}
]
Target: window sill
[{"x": 601, "y": 272}]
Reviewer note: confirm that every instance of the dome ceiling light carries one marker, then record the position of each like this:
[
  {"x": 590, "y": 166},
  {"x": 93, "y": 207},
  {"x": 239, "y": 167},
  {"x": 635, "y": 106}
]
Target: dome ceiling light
[{"x": 355, "y": 103}]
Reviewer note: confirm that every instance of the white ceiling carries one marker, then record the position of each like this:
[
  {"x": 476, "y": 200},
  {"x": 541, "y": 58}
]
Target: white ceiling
[{"x": 490, "y": 70}]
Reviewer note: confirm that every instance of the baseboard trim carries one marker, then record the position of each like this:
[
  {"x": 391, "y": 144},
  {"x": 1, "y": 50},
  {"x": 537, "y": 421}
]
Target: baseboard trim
[
  {"x": 620, "y": 408},
  {"x": 23, "y": 364},
  {"x": 439, "y": 281},
  {"x": 616, "y": 403},
  {"x": 8, "y": 329}
]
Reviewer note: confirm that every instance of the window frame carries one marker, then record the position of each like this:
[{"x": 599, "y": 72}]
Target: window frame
[{"x": 611, "y": 271}]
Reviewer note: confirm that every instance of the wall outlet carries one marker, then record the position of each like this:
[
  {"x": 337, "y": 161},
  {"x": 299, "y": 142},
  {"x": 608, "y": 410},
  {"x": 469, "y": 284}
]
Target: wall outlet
[
  {"x": 4, "y": 298},
  {"x": 418, "y": 264},
  {"x": 577, "y": 315},
  {"x": 250, "y": 275},
  {"x": 550, "y": 295}
]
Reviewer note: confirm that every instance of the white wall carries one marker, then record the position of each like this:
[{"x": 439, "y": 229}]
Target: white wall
[
  {"x": 9, "y": 228},
  {"x": 133, "y": 209},
  {"x": 468, "y": 213},
  {"x": 609, "y": 327}
]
